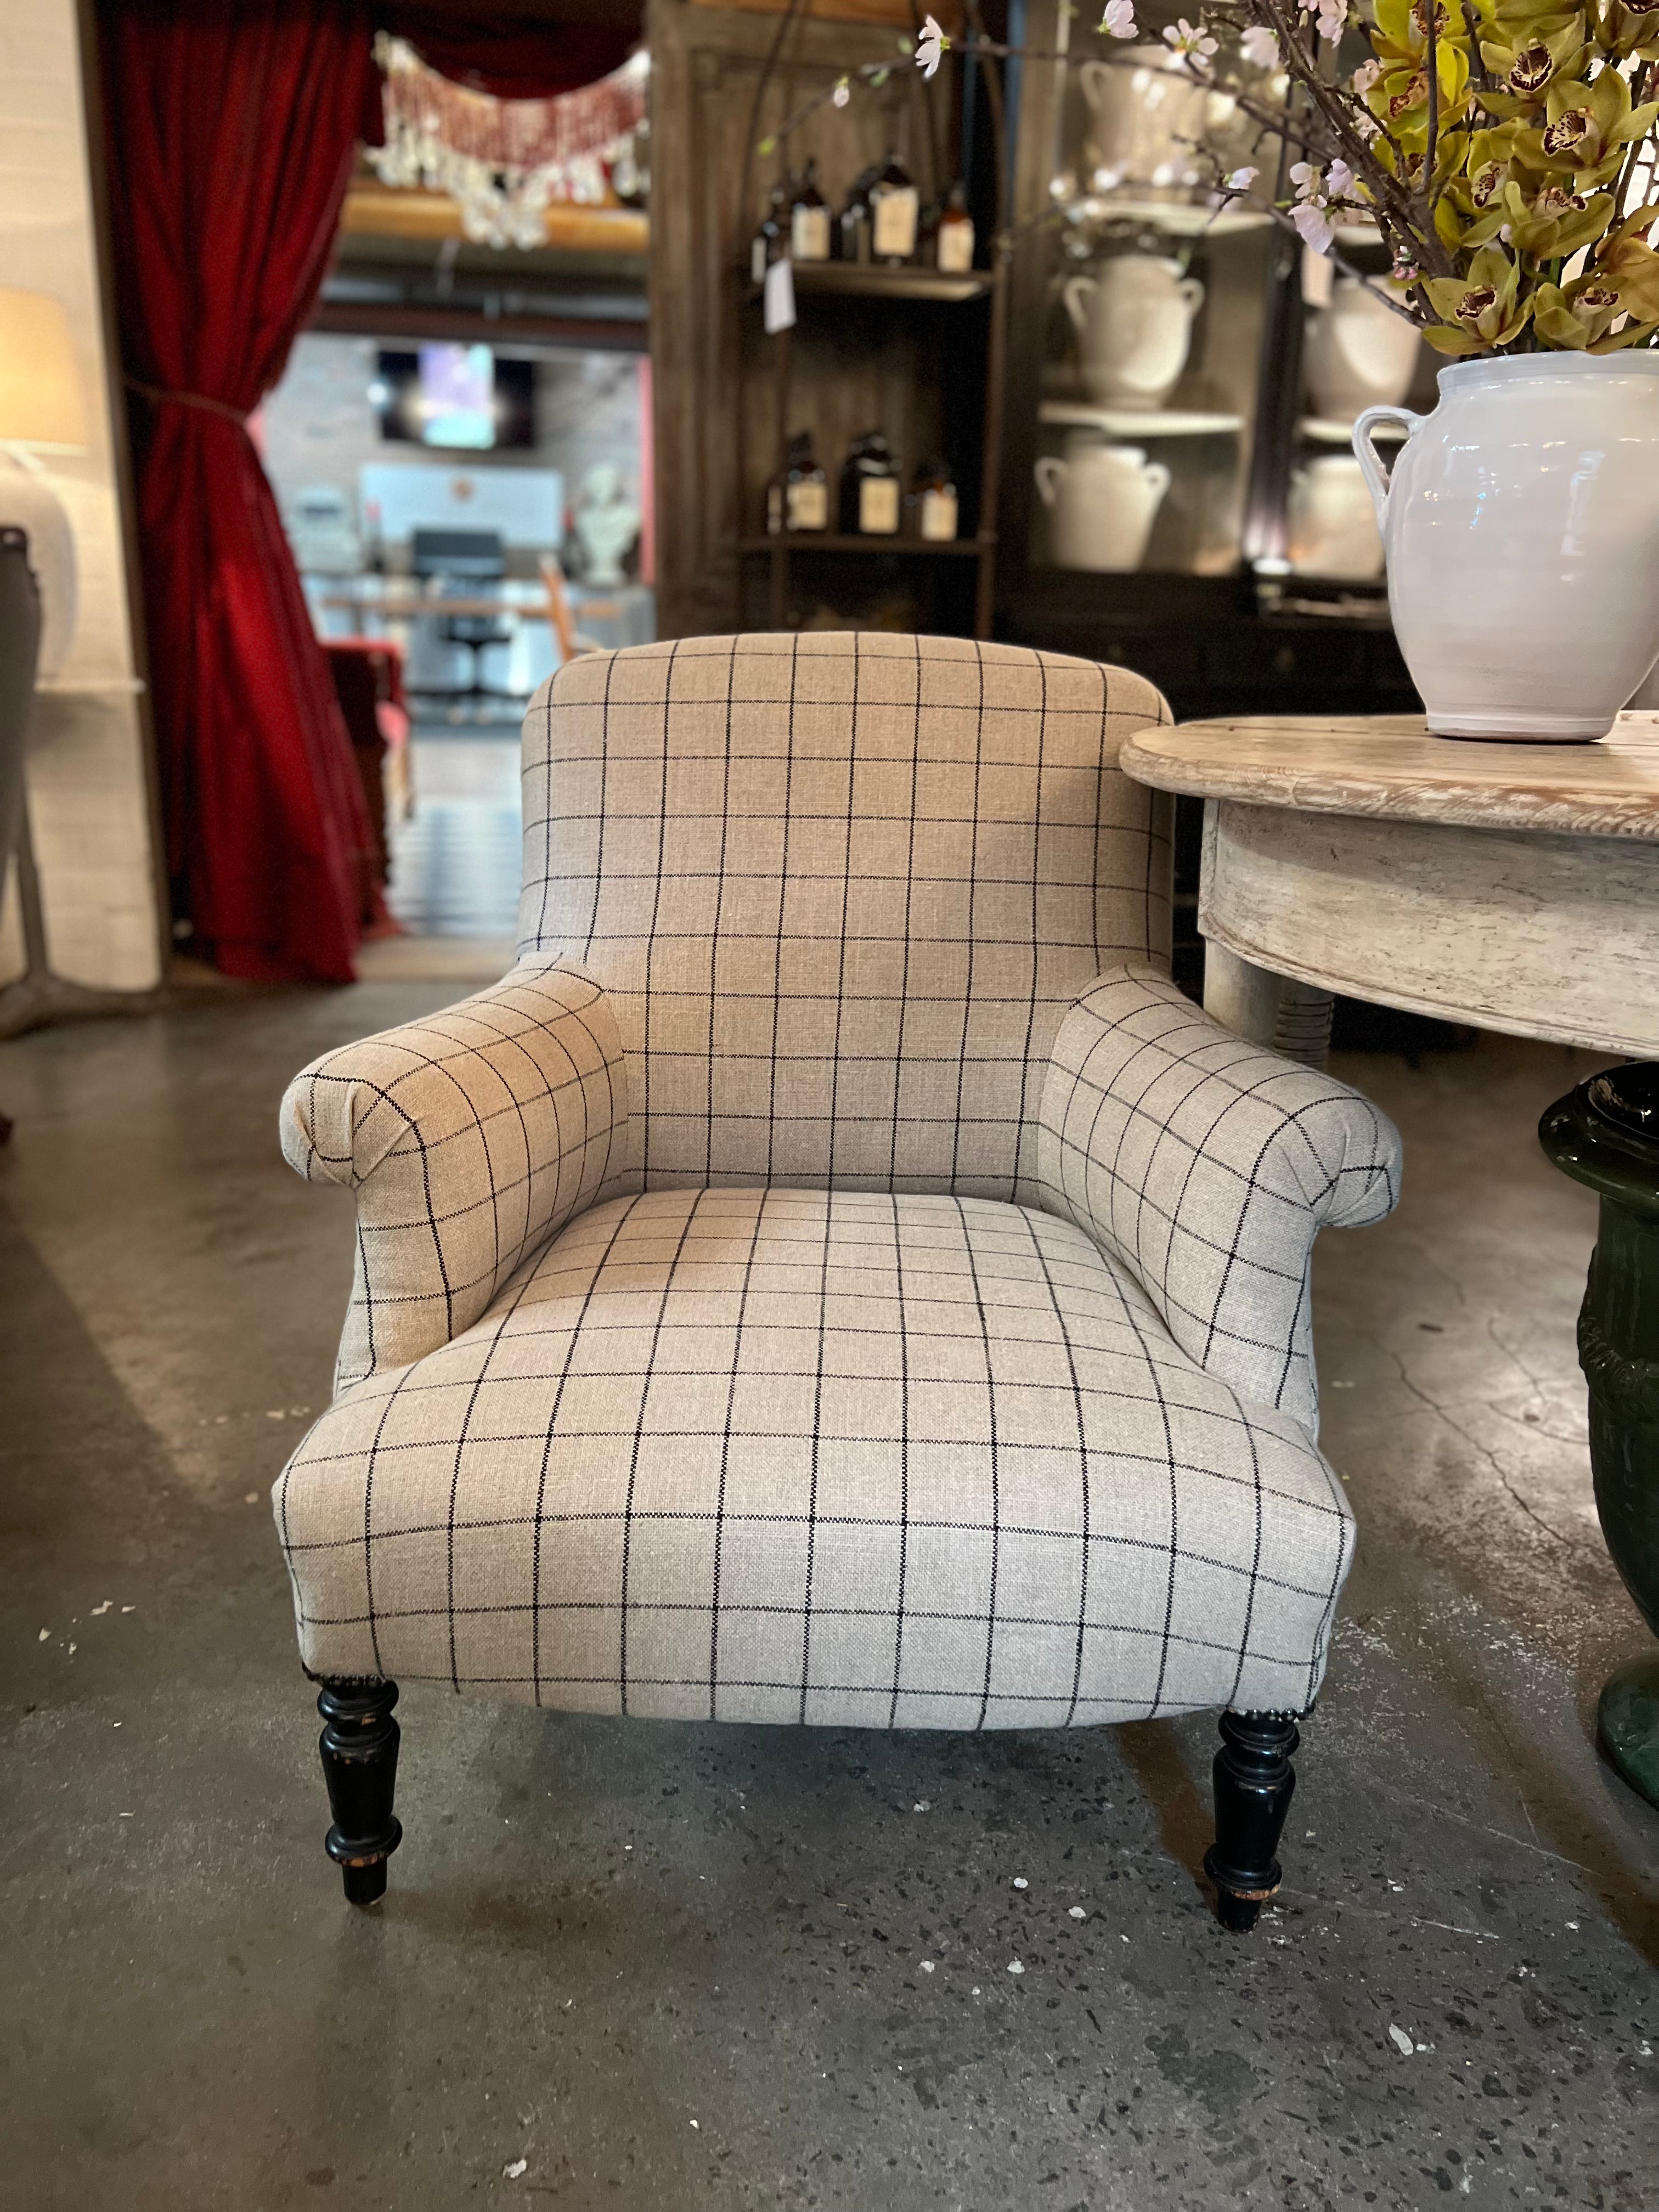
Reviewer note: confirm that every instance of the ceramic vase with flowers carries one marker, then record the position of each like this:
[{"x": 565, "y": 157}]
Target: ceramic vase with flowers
[{"x": 1505, "y": 152}]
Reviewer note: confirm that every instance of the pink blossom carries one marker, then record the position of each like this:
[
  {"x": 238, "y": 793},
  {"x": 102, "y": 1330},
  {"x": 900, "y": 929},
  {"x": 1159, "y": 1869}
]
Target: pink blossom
[
  {"x": 1259, "y": 47},
  {"x": 1188, "y": 39},
  {"x": 1313, "y": 225}
]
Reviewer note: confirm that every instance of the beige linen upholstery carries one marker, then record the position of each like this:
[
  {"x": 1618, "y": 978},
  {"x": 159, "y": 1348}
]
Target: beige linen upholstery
[
  {"x": 897, "y": 1460},
  {"x": 839, "y": 892},
  {"x": 1209, "y": 1165},
  {"x": 468, "y": 1137},
  {"x": 893, "y": 1311}
]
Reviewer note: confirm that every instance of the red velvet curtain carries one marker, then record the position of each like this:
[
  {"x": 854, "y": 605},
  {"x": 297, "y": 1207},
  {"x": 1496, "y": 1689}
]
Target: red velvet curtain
[
  {"x": 232, "y": 128},
  {"x": 513, "y": 56}
]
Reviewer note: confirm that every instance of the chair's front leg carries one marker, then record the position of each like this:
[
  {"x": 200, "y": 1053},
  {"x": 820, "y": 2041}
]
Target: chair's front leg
[
  {"x": 359, "y": 1748},
  {"x": 1254, "y": 1780}
]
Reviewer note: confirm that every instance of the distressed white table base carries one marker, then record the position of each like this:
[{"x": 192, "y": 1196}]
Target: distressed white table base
[
  {"x": 1293, "y": 1018},
  {"x": 1536, "y": 934}
]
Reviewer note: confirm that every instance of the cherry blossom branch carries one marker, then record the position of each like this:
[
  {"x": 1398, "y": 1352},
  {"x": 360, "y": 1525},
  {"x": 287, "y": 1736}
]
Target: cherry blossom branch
[{"x": 1432, "y": 61}]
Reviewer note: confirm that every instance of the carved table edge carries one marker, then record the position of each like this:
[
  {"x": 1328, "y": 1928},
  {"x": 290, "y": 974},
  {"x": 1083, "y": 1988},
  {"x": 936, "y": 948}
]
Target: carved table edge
[{"x": 1452, "y": 806}]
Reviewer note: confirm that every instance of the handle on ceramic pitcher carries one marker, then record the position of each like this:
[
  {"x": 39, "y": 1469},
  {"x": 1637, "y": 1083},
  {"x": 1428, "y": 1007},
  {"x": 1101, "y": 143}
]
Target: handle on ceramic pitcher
[
  {"x": 1074, "y": 291},
  {"x": 1370, "y": 461},
  {"x": 1094, "y": 77},
  {"x": 1048, "y": 471},
  {"x": 1191, "y": 290}
]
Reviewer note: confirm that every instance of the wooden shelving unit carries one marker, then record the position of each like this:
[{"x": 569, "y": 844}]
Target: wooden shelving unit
[
  {"x": 831, "y": 541},
  {"x": 868, "y": 280},
  {"x": 926, "y": 305},
  {"x": 910, "y": 349}
]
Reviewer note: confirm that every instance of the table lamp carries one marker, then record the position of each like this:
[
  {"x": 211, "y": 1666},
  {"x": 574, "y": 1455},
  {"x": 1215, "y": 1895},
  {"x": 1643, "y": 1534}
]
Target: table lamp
[{"x": 41, "y": 413}]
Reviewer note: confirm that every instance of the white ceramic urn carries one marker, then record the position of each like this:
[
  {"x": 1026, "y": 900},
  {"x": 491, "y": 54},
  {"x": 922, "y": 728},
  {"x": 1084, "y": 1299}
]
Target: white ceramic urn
[
  {"x": 1135, "y": 323},
  {"x": 1333, "y": 530},
  {"x": 1101, "y": 501},
  {"x": 1521, "y": 522},
  {"x": 1359, "y": 353},
  {"x": 1146, "y": 122}
]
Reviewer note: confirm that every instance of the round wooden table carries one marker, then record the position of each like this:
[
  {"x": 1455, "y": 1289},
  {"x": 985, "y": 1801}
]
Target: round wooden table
[{"x": 1512, "y": 886}]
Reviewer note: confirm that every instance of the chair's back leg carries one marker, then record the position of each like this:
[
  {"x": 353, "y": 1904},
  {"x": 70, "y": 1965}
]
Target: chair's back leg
[
  {"x": 1254, "y": 1780},
  {"x": 359, "y": 1748}
]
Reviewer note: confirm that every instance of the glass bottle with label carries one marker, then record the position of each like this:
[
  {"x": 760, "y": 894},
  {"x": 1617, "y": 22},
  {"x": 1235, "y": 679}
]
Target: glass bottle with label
[
  {"x": 805, "y": 487},
  {"x": 852, "y": 231},
  {"x": 953, "y": 241},
  {"x": 931, "y": 506},
  {"x": 894, "y": 205},
  {"x": 799, "y": 499},
  {"x": 870, "y": 488},
  {"x": 809, "y": 220},
  {"x": 768, "y": 243}
]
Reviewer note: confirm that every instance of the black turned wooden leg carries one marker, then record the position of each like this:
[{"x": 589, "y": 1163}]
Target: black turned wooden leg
[
  {"x": 1253, "y": 1779},
  {"x": 359, "y": 1747}
]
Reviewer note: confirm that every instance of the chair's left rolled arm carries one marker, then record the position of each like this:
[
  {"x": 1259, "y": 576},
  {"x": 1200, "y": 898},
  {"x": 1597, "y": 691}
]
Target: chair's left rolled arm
[
  {"x": 1209, "y": 1165},
  {"x": 469, "y": 1137}
]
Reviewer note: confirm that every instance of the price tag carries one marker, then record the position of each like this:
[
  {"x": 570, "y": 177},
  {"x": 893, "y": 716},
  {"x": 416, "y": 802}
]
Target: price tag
[
  {"x": 1318, "y": 278},
  {"x": 778, "y": 306}
]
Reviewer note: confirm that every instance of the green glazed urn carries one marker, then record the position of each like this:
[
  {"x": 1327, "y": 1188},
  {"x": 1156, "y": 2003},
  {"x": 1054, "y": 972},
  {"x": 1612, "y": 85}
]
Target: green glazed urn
[{"x": 1606, "y": 1134}]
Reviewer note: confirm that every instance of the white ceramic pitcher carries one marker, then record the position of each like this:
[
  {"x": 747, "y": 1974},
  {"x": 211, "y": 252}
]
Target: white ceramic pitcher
[
  {"x": 1135, "y": 323},
  {"x": 1359, "y": 353},
  {"x": 1521, "y": 526},
  {"x": 1101, "y": 501},
  {"x": 1333, "y": 530},
  {"x": 1146, "y": 122}
]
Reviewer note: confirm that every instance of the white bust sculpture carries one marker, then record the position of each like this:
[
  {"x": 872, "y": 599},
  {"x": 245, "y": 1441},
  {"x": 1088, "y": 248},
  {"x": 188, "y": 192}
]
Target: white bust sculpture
[{"x": 607, "y": 526}]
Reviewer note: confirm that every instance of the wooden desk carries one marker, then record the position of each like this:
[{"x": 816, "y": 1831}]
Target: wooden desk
[
  {"x": 1512, "y": 886},
  {"x": 416, "y": 605}
]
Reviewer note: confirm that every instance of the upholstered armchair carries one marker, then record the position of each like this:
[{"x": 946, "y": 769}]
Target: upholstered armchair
[{"x": 834, "y": 1277}]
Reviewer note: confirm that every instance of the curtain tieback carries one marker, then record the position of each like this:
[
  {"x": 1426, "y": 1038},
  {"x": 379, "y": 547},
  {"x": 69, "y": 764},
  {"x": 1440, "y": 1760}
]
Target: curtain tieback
[{"x": 157, "y": 397}]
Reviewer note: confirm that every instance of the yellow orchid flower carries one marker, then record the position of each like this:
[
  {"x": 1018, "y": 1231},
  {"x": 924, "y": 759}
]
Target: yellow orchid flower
[{"x": 1481, "y": 310}]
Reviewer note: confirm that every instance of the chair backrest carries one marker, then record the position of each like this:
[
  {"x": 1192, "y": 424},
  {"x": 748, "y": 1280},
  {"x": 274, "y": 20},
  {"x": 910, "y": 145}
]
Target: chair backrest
[
  {"x": 478, "y": 555},
  {"x": 559, "y": 612},
  {"x": 840, "y": 888}
]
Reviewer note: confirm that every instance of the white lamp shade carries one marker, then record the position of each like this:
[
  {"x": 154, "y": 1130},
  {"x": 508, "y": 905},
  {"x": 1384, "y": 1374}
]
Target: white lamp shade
[{"x": 40, "y": 401}]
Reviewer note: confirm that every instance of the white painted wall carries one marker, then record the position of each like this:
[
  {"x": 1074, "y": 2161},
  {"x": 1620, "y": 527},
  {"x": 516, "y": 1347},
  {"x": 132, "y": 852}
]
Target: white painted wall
[{"x": 88, "y": 806}]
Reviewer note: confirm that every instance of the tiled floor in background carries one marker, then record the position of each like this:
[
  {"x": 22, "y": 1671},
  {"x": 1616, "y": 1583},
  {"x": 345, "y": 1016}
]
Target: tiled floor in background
[{"x": 455, "y": 861}]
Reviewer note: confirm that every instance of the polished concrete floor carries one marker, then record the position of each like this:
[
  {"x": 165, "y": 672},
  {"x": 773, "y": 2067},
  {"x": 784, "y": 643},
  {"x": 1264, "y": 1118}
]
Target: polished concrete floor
[{"x": 674, "y": 1966}]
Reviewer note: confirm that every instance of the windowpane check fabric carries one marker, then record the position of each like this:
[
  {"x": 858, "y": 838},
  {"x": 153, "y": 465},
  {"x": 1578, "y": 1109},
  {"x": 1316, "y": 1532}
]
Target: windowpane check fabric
[
  {"x": 860, "y": 1459},
  {"x": 468, "y": 1137},
  {"x": 1209, "y": 1165},
  {"x": 836, "y": 1277},
  {"x": 839, "y": 889}
]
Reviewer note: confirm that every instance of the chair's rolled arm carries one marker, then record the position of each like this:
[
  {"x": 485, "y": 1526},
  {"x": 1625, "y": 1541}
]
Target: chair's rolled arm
[
  {"x": 468, "y": 1137},
  {"x": 1209, "y": 1165}
]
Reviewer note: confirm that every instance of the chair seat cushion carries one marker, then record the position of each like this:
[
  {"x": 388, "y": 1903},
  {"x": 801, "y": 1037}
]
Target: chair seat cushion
[{"x": 829, "y": 1456}]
